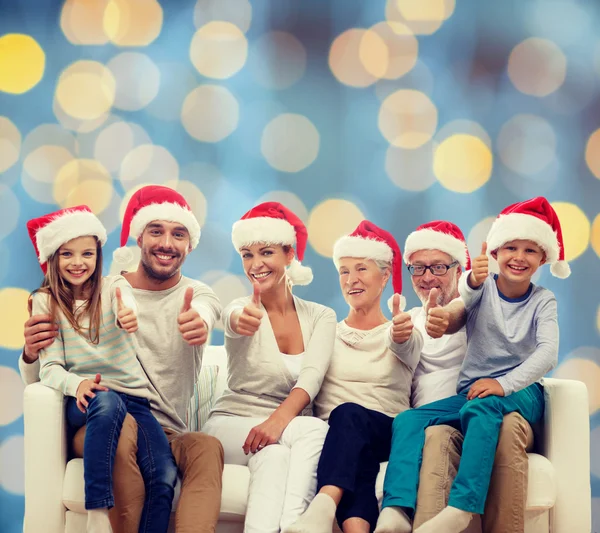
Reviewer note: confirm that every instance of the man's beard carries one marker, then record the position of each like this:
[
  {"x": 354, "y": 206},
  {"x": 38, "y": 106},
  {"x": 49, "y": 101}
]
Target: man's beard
[
  {"x": 446, "y": 295},
  {"x": 158, "y": 276}
]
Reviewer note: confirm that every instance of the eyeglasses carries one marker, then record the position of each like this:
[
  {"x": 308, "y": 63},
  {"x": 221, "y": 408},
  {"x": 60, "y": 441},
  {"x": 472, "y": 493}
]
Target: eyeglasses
[{"x": 436, "y": 270}]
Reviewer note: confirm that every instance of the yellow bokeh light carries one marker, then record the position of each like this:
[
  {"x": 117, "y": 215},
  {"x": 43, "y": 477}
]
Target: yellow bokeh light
[
  {"x": 423, "y": 17},
  {"x": 238, "y": 12},
  {"x": 11, "y": 325},
  {"x": 148, "y": 163},
  {"x": 133, "y": 22},
  {"x": 537, "y": 67},
  {"x": 219, "y": 50},
  {"x": 86, "y": 90},
  {"x": 527, "y": 144},
  {"x": 402, "y": 48},
  {"x": 586, "y": 371},
  {"x": 463, "y": 126},
  {"x": 193, "y": 196},
  {"x": 10, "y": 144},
  {"x": 82, "y": 21},
  {"x": 592, "y": 153},
  {"x": 575, "y": 228},
  {"x": 354, "y": 56},
  {"x": 290, "y": 142},
  {"x": 77, "y": 125},
  {"x": 210, "y": 113},
  {"x": 17, "y": 50},
  {"x": 595, "y": 235},
  {"x": 462, "y": 163},
  {"x": 83, "y": 181},
  {"x": 407, "y": 118},
  {"x": 373, "y": 54},
  {"x": 137, "y": 80},
  {"x": 329, "y": 221}
]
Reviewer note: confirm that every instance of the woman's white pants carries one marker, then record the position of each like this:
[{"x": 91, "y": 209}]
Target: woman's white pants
[{"x": 283, "y": 476}]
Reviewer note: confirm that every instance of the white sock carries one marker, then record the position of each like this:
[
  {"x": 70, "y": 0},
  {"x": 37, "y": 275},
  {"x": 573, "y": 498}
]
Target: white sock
[
  {"x": 98, "y": 522},
  {"x": 318, "y": 518},
  {"x": 449, "y": 520},
  {"x": 393, "y": 520}
]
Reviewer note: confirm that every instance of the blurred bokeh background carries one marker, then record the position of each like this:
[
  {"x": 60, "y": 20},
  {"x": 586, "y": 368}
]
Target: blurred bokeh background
[{"x": 400, "y": 112}]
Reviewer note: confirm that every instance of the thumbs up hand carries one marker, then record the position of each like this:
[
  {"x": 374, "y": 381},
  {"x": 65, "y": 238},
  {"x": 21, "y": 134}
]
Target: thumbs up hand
[
  {"x": 438, "y": 318},
  {"x": 249, "y": 319},
  {"x": 479, "y": 268},
  {"x": 402, "y": 325},
  {"x": 191, "y": 326},
  {"x": 125, "y": 316}
]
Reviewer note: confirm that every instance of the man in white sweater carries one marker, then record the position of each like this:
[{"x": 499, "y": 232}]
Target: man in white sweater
[
  {"x": 175, "y": 314},
  {"x": 436, "y": 255}
]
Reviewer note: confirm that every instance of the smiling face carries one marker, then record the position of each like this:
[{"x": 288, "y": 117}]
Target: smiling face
[
  {"x": 362, "y": 282},
  {"x": 266, "y": 264},
  {"x": 77, "y": 261},
  {"x": 447, "y": 284},
  {"x": 164, "y": 246},
  {"x": 518, "y": 260}
]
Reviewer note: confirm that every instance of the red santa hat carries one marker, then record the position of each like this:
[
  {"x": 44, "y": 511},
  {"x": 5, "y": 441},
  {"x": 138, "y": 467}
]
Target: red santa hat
[
  {"x": 155, "y": 202},
  {"x": 439, "y": 235},
  {"x": 49, "y": 232},
  {"x": 533, "y": 220},
  {"x": 273, "y": 223},
  {"x": 371, "y": 242}
]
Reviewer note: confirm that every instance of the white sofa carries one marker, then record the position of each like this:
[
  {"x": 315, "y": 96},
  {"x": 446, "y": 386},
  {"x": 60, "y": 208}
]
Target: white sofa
[{"x": 558, "y": 501}]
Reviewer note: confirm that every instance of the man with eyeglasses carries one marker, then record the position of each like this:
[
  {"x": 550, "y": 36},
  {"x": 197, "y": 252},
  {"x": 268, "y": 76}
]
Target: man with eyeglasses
[{"x": 436, "y": 256}]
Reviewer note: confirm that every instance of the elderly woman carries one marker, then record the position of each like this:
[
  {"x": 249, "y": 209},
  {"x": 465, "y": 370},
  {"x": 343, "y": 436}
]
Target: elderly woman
[
  {"x": 372, "y": 365},
  {"x": 279, "y": 348}
]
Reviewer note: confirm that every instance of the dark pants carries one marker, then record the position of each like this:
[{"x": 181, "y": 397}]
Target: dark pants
[
  {"x": 104, "y": 419},
  {"x": 358, "y": 440}
]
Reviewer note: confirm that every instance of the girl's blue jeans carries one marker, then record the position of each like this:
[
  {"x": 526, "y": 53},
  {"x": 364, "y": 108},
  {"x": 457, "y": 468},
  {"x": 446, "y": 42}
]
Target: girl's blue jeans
[{"x": 104, "y": 419}]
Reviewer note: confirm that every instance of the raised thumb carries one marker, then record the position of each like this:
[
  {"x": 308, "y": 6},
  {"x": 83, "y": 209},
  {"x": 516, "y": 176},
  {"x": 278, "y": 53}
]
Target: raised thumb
[
  {"x": 484, "y": 248},
  {"x": 187, "y": 299},
  {"x": 433, "y": 298},
  {"x": 395, "y": 304},
  {"x": 256, "y": 294},
  {"x": 119, "y": 298},
  {"x": 97, "y": 379}
]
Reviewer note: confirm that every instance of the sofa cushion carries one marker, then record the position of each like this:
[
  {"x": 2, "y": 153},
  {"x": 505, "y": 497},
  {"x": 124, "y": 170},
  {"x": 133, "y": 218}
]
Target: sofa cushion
[
  {"x": 202, "y": 400},
  {"x": 234, "y": 495}
]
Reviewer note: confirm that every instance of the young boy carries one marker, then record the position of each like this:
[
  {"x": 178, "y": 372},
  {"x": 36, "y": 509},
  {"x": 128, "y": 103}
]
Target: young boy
[{"x": 512, "y": 342}]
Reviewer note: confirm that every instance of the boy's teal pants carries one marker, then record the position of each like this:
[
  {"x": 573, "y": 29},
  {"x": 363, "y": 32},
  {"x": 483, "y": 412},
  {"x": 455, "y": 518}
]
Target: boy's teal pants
[{"x": 479, "y": 420}]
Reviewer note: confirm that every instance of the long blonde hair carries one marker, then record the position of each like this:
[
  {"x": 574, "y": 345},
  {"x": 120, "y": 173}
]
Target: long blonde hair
[{"x": 63, "y": 300}]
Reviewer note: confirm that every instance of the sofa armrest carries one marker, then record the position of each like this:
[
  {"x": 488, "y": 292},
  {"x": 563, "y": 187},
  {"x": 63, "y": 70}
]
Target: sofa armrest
[
  {"x": 45, "y": 459},
  {"x": 567, "y": 446}
]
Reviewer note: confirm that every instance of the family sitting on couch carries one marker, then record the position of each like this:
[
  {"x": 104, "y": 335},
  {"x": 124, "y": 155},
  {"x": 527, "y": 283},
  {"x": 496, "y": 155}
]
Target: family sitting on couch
[{"x": 312, "y": 405}]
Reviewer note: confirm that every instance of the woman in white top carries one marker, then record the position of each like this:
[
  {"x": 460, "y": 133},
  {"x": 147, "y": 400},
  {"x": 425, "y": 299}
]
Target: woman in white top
[
  {"x": 372, "y": 367},
  {"x": 278, "y": 350}
]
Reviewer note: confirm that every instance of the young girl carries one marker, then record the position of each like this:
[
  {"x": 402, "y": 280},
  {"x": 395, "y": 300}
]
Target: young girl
[
  {"x": 95, "y": 317},
  {"x": 512, "y": 342}
]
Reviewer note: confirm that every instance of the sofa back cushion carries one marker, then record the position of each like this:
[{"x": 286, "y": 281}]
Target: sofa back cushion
[{"x": 203, "y": 398}]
